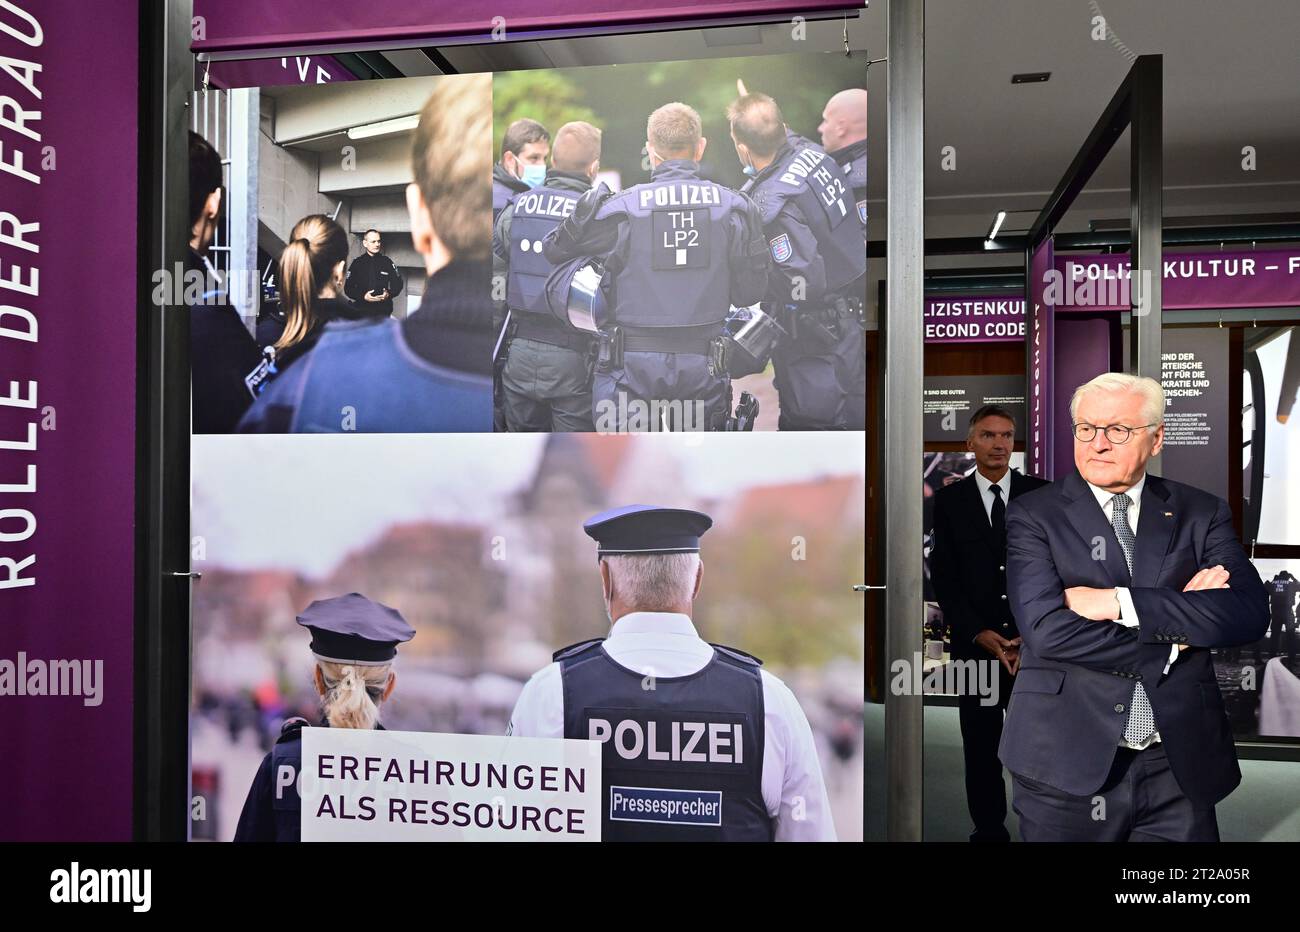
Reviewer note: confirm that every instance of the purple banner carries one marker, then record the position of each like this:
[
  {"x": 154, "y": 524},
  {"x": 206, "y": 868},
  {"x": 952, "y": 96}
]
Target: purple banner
[
  {"x": 67, "y": 419},
  {"x": 272, "y": 72},
  {"x": 1256, "y": 278},
  {"x": 1038, "y": 447},
  {"x": 974, "y": 319},
  {"x": 1082, "y": 353},
  {"x": 226, "y": 25}
]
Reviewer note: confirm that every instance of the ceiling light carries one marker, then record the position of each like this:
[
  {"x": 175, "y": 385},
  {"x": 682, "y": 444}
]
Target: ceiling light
[
  {"x": 997, "y": 225},
  {"x": 385, "y": 127}
]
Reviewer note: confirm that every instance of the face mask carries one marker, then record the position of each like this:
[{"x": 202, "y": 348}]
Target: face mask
[
  {"x": 746, "y": 168},
  {"x": 533, "y": 175}
]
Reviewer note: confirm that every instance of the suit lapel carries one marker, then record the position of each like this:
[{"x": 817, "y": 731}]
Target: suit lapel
[
  {"x": 1090, "y": 523},
  {"x": 1154, "y": 532}
]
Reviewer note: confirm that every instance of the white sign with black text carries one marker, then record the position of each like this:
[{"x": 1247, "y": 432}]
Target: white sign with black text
[{"x": 415, "y": 786}]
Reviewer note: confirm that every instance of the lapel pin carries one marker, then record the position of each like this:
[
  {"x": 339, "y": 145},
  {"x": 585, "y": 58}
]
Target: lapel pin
[{"x": 1169, "y": 514}]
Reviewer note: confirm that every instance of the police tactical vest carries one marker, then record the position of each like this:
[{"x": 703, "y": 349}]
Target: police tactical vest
[
  {"x": 675, "y": 270},
  {"x": 536, "y": 213},
  {"x": 808, "y": 177},
  {"x": 682, "y": 761}
]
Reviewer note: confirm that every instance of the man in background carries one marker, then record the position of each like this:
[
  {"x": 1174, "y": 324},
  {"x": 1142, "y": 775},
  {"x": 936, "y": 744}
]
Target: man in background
[
  {"x": 969, "y": 574},
  {"x": 844, "y": 137},
  {"x": 524, "y": 149},
  {"x": 373, "y": 280}
]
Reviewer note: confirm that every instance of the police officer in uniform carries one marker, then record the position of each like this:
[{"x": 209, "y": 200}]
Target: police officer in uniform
[
  {"x": 524, "y": 148},
  {"x": 678, "y": 252},
  {"x": 844, "y": 137},
  {"x": 354, "y": 641},
  {"x": 373, "y": 280},
  {"x": 714, "y": 748},
  {"x": 546, "y": 378},
  {"x": 818, "y": 244}
]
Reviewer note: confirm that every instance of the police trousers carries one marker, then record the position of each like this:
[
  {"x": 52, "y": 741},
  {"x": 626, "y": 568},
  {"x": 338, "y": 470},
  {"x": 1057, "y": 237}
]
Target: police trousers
[
  {"x": 660, "y": 391},
  {"x": 545, "y": 388},
  {"x": 821, "y": 379}
]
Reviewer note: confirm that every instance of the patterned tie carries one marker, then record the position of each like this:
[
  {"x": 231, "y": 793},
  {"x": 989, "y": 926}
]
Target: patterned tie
[{"x": 1141, "y": 720}]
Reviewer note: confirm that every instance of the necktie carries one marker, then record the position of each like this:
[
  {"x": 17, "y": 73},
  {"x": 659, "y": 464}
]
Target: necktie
[
  {"x": 1141, "y": 720},
  {"x": 998, "y": 516}
]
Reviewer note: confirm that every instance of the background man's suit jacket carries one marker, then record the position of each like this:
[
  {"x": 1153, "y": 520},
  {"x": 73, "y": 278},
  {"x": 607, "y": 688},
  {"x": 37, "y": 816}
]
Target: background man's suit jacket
[
  {"x": 1072, "y": 693},
  {"x": 966, "y": 564}
]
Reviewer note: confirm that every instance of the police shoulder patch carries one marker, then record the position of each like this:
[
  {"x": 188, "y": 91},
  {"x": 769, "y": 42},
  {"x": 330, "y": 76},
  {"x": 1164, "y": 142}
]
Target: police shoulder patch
[
  {"x": 781, "y": 248},
  {"x": 737, "y": 654},
  {"x": 574, "y": 649},
  {"x": 862, "y": 210}
]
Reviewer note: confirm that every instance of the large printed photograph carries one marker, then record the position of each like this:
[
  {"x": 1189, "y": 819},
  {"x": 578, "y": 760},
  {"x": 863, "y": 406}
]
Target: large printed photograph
[
  {"x": 681, "y": 246},
  {"x": 338, "y": 270},
  {"x": 475, "y": 558}
]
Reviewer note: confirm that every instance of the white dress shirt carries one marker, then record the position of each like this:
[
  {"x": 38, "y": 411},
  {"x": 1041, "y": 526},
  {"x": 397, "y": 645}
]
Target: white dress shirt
[
  {"x": 986, "y": 494},
  {"x": 666, "y": 644},
  {"x": 1128, "y": 616}
]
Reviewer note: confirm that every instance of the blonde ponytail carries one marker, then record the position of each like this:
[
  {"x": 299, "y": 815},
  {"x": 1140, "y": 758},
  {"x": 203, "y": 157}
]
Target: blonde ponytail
[
  {"x": 353, "y": 693},
  {"x": 316, "y": 245}
]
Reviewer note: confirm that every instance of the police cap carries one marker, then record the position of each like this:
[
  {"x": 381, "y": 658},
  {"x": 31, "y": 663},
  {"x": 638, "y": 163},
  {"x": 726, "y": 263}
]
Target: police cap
[
  {"x": 646, "y": 529},
  {"x": 353, "y": 629}
]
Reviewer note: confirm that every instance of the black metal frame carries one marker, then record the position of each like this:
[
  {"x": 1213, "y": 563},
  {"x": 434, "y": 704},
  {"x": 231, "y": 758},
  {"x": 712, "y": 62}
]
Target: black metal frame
[
  {"x": 1137, "y": 104},
  {"x": 162, "y": 544},
  {"x": 1207, "y": 235},
  {"x": 162, "y": 629}
]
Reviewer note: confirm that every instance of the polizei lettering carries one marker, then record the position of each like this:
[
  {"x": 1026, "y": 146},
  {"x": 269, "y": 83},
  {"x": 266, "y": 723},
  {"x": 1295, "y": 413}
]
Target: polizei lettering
[
  {"x": 687, "y": 742},
  {"x": 680, "y": 195},
  {"x": 801, "y": 166},
  {"x": 544, "y": 205}
]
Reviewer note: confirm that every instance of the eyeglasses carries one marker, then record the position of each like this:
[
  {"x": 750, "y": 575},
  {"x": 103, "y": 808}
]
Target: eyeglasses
[{"x": 1115, "y": 433}]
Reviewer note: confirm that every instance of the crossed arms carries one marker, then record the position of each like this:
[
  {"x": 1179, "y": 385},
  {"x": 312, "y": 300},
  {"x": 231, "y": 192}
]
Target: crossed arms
[{"x": 1078, "y": 624}]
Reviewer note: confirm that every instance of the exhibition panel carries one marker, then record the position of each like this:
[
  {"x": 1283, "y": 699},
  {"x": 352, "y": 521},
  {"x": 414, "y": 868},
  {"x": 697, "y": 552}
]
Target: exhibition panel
[{"x": 600, "y": 421}]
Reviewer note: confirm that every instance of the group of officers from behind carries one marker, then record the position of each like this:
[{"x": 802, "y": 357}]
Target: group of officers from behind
[{"x": 665, "y": 291}]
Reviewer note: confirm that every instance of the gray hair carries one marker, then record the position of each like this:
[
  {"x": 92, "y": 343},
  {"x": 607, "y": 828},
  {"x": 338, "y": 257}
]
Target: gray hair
[
  {"x": 1153, "y": 396},
  {"x": 654, "y": 582}
]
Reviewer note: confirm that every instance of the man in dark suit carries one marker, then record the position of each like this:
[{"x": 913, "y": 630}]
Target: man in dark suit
[
  {"x": 1119, "y": 582},
  {"x": 968, "y": 572}
]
